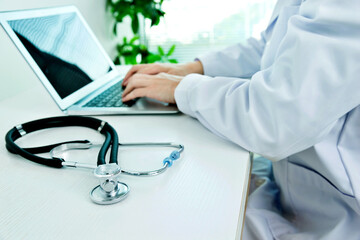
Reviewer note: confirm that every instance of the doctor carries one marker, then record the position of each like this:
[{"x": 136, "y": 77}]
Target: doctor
[{"x": 294, "y": 97}]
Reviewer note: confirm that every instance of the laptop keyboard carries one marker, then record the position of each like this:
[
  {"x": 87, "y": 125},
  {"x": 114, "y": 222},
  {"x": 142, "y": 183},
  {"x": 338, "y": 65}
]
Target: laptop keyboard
[{"x": 110, "y": 98}]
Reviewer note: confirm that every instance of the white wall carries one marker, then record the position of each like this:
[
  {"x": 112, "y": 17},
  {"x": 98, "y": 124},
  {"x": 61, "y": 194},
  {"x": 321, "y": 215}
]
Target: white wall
[{"x": 15, "y": 74}]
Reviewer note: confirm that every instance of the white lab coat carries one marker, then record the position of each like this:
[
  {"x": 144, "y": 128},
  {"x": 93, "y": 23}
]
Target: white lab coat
[{"x": 294, "y": 97}]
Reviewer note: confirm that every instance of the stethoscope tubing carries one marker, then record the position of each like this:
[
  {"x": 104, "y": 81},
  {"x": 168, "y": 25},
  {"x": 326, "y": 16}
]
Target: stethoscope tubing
[
  {"x": 85, "y": 144},
  {"x": 111, "y": 138}
]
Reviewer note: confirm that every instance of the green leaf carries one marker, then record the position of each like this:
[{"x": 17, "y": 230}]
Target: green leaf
[
  {"x": 115, "y": 29},
  {"x": 160, "y": 12},
  {"x": 161, "y": 51},
  {"x": 119, "y": 47},
  {"x": 173, "y": 61},
  {"x": 135, "y": 23},
  {"x": 132, "y": 41},
  {"x": 143, "y": 47},
  {"x": 171, "y": 51},
  {"x": 153, "y": 58},
  {"x": 155, "y": 21}
]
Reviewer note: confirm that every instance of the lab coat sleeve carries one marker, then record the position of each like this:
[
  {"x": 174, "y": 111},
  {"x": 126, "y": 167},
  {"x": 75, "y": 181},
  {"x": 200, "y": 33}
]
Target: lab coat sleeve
[
  {"x": 290, "y": 106},
  {"x": 240, "y": 60}
]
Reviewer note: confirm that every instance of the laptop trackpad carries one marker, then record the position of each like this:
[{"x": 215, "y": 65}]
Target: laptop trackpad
[{"x": 146, "y": 104}]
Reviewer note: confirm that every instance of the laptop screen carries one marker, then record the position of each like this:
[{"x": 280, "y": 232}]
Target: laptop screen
[{"x": 63, "y": 49}]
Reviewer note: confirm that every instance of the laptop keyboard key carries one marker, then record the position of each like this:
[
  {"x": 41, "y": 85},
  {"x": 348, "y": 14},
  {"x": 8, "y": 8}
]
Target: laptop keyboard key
[{"x": 110, "y": 98}]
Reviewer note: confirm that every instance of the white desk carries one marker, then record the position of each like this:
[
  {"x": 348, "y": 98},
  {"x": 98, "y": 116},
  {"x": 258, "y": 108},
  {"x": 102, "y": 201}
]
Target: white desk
[{"x": 202, "y": 196}]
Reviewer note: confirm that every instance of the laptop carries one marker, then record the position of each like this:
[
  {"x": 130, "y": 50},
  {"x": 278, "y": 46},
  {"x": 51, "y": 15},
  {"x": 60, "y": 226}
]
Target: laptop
[{"x": 71, "y": 64}]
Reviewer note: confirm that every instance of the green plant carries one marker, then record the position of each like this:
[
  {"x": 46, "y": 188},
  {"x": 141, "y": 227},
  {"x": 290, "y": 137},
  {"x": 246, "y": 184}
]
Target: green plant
[
  {"x": 161, "y": 56},
  {"x": 133, "y": 51},
  {"x": 149, "y": 9},
  {"x": 129, "y": 50}
]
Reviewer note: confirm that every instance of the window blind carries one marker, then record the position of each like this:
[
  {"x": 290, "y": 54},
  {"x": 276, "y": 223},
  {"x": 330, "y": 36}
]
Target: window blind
[{"x": 199, "y": 26}]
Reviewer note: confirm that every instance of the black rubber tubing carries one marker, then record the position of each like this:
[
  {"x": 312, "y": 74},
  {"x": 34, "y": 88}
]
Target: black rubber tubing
[{"x": 63, "y": 121}]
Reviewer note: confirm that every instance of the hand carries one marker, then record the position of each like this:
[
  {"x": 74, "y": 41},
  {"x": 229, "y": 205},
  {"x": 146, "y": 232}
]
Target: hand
[
  {"x": 173, "y": 69},
  {"x": 160, "y": 87}
]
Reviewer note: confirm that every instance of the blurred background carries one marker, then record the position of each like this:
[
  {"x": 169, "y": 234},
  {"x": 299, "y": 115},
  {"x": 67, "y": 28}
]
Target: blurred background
[
  {"x": 199, "y": 26},
  {"x": 184, "y": 30}
]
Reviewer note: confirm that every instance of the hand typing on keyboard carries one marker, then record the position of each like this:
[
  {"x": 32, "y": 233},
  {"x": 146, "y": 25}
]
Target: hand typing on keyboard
[{"x": 160, "y": 87}]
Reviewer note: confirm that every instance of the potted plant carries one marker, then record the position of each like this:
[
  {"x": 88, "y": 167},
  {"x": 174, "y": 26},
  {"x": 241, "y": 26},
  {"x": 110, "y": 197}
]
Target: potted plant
[{"x": 133, "y": 51}]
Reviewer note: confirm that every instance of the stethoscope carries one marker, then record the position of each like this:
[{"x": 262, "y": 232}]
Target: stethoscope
[{"x": 110, "y": 190}]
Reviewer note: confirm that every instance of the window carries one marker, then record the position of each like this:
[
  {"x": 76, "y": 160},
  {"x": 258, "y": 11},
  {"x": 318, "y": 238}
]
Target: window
[{"x": 198, "y": 26}]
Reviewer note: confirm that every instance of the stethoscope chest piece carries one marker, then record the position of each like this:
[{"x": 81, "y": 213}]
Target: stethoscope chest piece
[{"x": 110, "y": 190}]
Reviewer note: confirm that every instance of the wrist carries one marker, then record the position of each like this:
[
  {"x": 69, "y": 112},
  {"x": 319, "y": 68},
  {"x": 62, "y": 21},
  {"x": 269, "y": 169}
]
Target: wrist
[{"x": 194, "y": 67}]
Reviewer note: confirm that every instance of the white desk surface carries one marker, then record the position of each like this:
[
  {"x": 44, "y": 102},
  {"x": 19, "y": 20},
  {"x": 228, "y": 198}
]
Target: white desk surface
[{"x": 202, "y": 196}]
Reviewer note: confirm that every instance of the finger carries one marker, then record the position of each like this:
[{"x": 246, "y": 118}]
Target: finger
[
  {"x": 137, "y": 93},
  {"x": 134, "y": 69},
  {"x": 150, "y": 69},
  {"x": 137, "y": 81}
]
